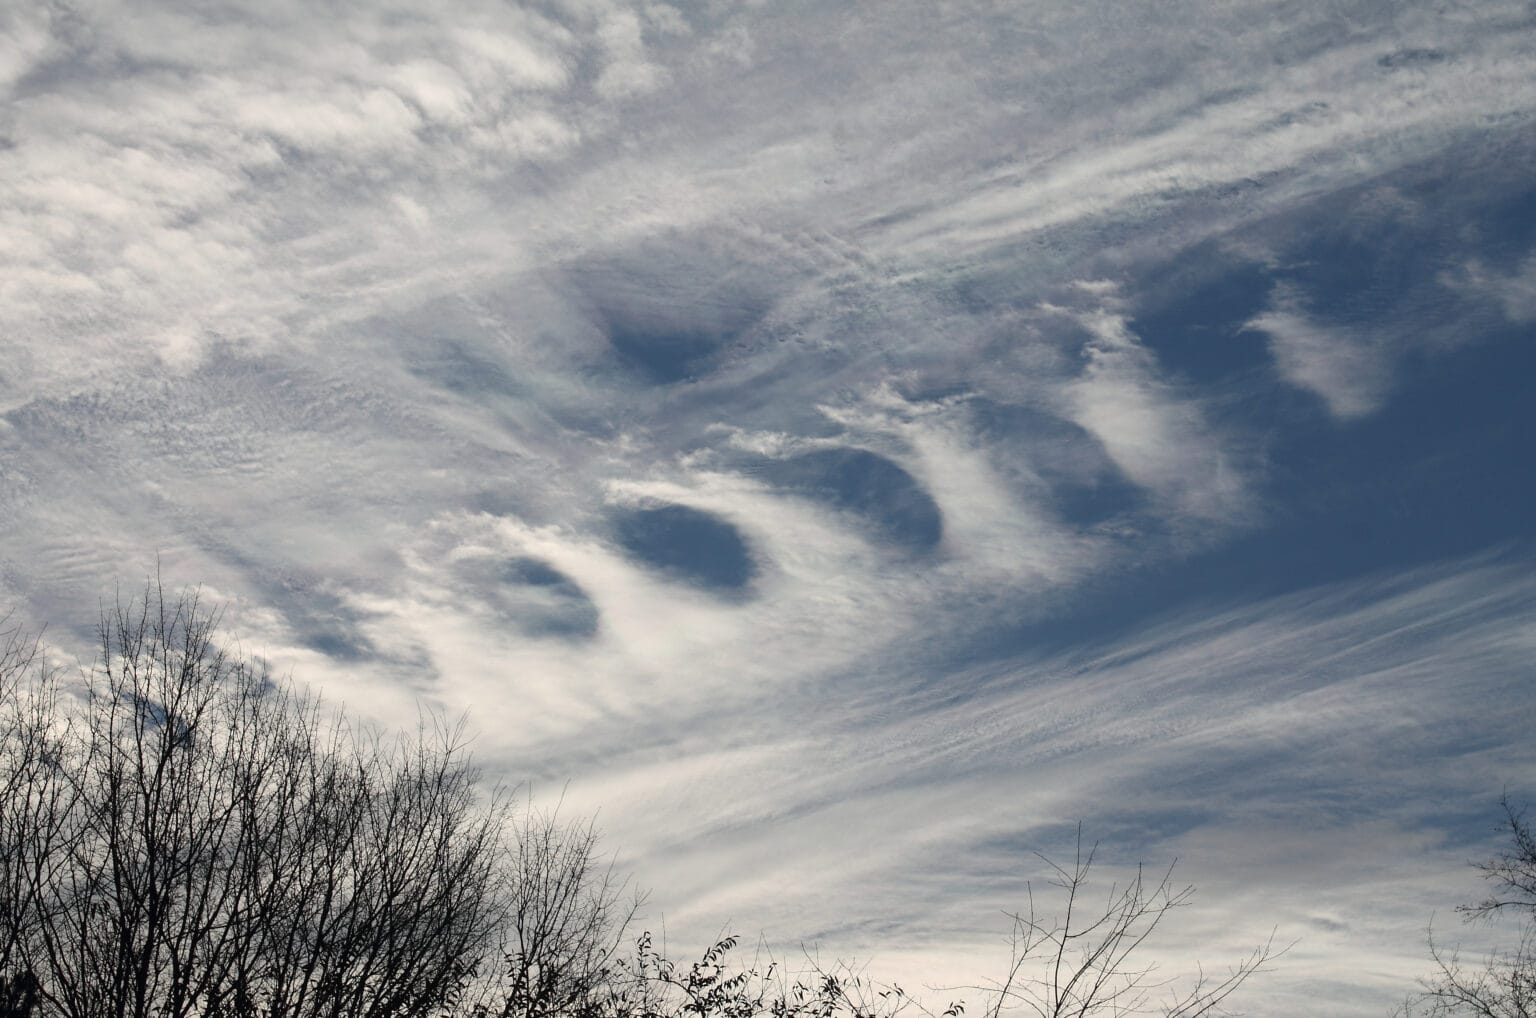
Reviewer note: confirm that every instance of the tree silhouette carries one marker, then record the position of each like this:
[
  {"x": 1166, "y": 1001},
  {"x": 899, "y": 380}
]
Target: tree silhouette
[
  {"x": 1503, "y": 984},
  {"x": 195, "y": 838}
]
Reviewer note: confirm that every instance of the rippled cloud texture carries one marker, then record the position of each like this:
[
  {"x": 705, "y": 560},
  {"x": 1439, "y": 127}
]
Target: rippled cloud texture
[{"x": 846, "y": 444}]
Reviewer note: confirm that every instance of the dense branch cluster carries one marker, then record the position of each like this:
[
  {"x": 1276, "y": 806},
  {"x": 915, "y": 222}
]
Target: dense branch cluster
[
  {"x": 188, "y": 837},
  {"x": 184, "y": 836}
]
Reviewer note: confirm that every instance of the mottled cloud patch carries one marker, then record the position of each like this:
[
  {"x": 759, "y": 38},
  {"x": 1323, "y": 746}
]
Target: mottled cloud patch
[
  {"x": 1514, "y": 291},
  {"x": 218, "y": 164}
]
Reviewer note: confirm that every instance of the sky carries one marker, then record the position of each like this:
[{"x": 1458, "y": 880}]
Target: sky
[{"x": 842, "y": 446}]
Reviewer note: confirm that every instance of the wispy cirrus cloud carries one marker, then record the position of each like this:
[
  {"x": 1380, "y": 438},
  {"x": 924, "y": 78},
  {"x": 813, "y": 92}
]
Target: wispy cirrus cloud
[
  {"x": 1514, "y": 291},
  {"x": 1349, "y": 372}
]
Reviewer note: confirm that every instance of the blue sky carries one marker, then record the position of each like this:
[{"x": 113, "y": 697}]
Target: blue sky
[{"x": 843, "y": 445}]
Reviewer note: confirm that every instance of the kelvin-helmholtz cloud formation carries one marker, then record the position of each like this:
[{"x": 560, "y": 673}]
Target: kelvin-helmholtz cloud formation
[{"x": 847, "y": 443}]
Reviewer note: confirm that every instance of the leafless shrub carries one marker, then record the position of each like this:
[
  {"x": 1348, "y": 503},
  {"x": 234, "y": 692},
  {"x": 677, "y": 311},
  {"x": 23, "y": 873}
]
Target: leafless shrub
[{"x": 1086, "y": 958}]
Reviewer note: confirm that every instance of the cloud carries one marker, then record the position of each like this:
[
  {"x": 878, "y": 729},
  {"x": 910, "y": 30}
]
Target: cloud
[
  {"x": 754, "y": 420},
  {"x": 1188, "y": 739},
  {"x": 27, "y": 38},
  {"x": 1514, "y": 291},
  {"x": 1157, "y": 437},
  {"x": 1349, "y": 372},
  {"x": 1247, "y": 132}
]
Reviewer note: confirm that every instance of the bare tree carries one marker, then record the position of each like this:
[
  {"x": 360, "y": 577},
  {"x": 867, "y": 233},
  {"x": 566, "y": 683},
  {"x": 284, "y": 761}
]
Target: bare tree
[
  {"x": 1089, "y": 958},
  {"x": 197, "y": 839},
  {"x": 1502, "y": 984},
  {"x": 565, "y": 916},
  {"x": 35, "y": 809}
]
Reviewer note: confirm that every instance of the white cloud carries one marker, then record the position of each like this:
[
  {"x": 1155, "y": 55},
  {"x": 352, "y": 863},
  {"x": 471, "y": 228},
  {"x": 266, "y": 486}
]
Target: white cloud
[
  {"x": 25, "y": 39},
  {"x": 1348, "y": 371},
  {"x": 511, "y": 57},
  {"x": 628, "y": 72},
  {"x": 1514, "y": 291},
  {"x": 1246, "y": 130},
  {"x": 1155, "y": 435}
]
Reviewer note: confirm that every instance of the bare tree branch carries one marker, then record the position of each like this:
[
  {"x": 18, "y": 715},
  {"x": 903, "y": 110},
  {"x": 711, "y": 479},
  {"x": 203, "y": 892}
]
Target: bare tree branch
[{"x": 1503, "y": 984}]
